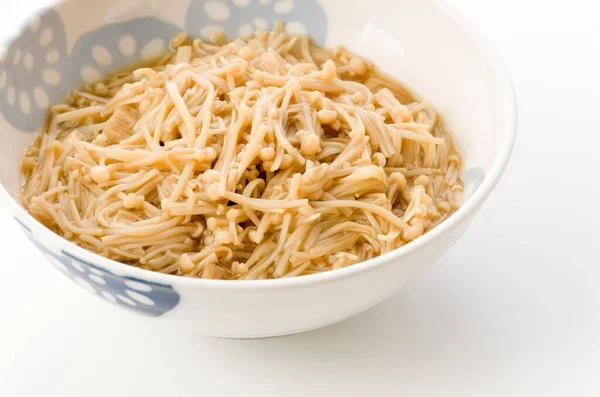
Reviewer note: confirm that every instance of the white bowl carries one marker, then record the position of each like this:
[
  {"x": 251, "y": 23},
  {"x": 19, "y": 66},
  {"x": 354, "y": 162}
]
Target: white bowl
[{"x": 420, "y": 42}]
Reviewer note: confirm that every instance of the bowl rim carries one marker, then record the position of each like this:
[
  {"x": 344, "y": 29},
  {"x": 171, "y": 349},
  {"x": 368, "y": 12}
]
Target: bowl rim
[{"x": 467, "y": 210}]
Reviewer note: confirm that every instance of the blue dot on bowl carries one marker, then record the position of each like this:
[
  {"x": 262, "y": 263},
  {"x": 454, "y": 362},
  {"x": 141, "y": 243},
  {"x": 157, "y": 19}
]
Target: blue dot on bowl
[{"x": 137, "y": 295}]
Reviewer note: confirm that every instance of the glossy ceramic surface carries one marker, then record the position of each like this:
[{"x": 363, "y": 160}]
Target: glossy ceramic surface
[{"x": 420, "y": 42}]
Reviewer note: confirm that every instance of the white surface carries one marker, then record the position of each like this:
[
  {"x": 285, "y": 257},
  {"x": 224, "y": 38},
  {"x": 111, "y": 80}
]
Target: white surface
[
  {"x": 513, "y": 309},
  {"x": 473, "y": 92}
]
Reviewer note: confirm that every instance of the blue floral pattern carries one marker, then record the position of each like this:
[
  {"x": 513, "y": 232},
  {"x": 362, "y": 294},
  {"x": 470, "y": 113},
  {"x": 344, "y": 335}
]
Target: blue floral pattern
[
  {"x": 140, "y": 296},
  {"x": 37, "y": 69}
]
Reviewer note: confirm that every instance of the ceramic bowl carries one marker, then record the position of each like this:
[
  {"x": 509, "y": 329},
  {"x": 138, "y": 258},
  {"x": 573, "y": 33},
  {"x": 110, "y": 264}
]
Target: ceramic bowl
[{"x": 423, "y": 44}]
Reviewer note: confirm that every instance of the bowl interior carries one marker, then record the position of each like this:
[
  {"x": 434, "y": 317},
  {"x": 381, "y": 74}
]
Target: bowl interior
[{"x": 418, "y": 42}]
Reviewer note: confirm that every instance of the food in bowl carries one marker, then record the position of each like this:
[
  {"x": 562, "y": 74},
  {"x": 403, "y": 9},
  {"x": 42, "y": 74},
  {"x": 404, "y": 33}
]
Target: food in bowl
[{"x": 264, "y": 157}]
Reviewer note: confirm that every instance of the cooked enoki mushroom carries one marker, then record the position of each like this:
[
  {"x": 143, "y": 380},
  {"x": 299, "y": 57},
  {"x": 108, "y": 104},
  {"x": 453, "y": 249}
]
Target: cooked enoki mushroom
[{"x": 266, "y": 157}]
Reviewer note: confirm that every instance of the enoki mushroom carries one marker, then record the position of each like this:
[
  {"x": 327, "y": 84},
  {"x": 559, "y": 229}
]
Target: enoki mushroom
[{"x": 265, "y": 157}]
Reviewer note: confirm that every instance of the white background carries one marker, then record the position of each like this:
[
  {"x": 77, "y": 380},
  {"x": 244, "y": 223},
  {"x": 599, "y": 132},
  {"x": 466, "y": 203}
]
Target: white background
[{"x": 512, "y": 310}]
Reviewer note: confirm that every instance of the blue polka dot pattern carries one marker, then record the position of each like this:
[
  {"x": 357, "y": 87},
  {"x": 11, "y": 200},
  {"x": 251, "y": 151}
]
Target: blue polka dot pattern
[
  {"x": 37, "y": 69},
  {"x": 118, "y": 45},
  {"x": 140, "y": 296},
  {"x": 241, "y": 17},
  {"x": 33, "y": 72}
]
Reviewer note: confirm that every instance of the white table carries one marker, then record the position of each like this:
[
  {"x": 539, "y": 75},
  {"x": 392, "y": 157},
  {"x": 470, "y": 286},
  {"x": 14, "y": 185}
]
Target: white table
[{"x": 512, "y": 310}]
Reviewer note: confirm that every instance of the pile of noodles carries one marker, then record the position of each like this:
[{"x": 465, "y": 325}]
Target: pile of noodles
[{"x": 261, "y": 158}]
